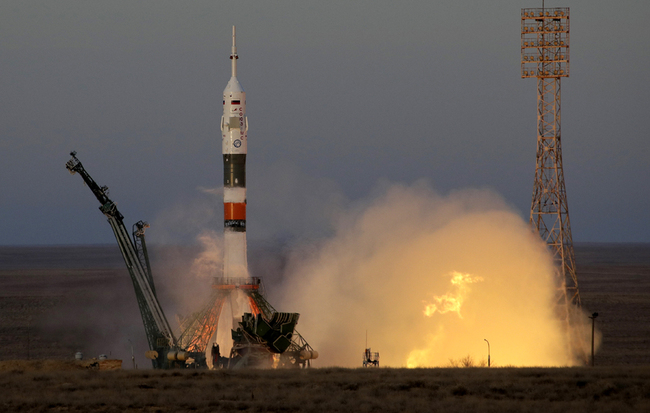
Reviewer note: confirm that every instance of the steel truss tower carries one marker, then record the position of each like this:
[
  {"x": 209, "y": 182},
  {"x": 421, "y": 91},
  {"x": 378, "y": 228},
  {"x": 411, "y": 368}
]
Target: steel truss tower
[{"x": 545, "y": 56}]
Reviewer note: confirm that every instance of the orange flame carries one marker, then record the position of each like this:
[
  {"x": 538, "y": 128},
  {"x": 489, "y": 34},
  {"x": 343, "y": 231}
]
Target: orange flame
[{"x": 452, "y": 301}]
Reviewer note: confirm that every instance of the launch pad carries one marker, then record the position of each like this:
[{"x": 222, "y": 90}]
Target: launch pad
[
  {"x": 260, "y": 336},
  {"x": 263, "y": 337}
]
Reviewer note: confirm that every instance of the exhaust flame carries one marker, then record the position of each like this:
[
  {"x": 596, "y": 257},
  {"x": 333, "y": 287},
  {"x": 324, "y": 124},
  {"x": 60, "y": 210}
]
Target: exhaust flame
[{"x": 449, "y": 302}]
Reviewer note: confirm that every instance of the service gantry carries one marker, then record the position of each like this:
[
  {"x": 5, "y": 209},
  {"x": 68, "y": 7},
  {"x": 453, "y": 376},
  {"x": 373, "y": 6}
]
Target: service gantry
[
  {"x": 545, "y": 56},
  {"x": 160, "y": 336}
]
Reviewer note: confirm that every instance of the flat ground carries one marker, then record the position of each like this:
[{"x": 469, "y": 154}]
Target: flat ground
[
  {"x": 614, "y": 281},
  {"x": 48, "y": 294},
  {"x": 593, "y": 390}
]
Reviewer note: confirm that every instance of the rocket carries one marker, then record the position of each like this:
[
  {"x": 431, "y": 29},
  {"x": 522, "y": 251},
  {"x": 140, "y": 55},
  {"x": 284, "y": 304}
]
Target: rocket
[{"x": 234, "y": 134}]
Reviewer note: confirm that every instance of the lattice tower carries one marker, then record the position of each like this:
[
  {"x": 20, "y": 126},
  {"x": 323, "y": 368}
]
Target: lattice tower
[{"x": 545, "y": 56}]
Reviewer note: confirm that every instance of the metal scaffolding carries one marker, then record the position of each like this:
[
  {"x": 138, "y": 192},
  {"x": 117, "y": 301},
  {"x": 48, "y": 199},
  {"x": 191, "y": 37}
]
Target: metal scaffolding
[
  {"x": 545, "y": 56},
  {"x": 200, "y": 328}
]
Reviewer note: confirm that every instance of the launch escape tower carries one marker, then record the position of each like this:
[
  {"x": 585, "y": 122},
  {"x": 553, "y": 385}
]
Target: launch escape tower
[{"x": 545, "y": 56}]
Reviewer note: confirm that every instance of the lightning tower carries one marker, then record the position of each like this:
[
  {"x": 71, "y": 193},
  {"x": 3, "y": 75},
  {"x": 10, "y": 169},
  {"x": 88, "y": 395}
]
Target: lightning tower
[{"x": 545, "y": 57}]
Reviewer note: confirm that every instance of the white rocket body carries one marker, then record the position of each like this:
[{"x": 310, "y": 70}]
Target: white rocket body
[{"x": 234, "y": 133}]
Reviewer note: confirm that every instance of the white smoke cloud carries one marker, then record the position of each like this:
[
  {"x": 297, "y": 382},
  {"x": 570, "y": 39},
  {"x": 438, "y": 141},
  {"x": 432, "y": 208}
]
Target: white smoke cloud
[
  {"x": 187, "y": 220},
  {"x": 391, "y": 257},
  {"x": 209, "y": 262},
  {"x": 390, "y": 266}
]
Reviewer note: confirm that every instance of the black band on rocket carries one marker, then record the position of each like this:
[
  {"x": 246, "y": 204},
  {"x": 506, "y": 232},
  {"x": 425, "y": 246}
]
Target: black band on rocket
[
  {"x": 234, "y": 171},
  {"x": 236, "y": 225}
]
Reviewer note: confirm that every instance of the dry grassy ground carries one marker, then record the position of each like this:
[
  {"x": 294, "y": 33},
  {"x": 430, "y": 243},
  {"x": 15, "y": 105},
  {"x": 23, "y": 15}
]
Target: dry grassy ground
[
  {"x": 614, "y": 280},
  {"x": 331, "y": 390},
  {"x": 44, "y": 293}
]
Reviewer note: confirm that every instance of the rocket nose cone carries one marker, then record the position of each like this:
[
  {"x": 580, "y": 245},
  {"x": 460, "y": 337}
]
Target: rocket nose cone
[{"x": 233, "y": 86}]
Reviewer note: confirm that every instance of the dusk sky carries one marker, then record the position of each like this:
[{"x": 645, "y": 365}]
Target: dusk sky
[{"x": 343, "y": 99}]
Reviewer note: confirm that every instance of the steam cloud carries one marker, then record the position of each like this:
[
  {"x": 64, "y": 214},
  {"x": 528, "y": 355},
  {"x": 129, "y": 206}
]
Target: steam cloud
[
  {"x": 428, "y": 276},
  {"x": 407, "y": 265}
]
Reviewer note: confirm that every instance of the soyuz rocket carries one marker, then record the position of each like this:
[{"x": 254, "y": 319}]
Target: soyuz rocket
[{"x": 234, "y": 134}]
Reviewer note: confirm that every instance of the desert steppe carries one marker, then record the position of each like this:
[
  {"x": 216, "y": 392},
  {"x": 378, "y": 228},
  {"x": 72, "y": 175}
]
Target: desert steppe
[
  {"x": 599, "y": 389},
  {"x": 45, "y": 291}
]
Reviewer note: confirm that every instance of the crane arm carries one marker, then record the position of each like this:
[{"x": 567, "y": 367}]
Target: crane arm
[
  {"x": 141, "y": 250},
  {"x": 159, "y": 332},
  {"x": 107, "y": 206}
]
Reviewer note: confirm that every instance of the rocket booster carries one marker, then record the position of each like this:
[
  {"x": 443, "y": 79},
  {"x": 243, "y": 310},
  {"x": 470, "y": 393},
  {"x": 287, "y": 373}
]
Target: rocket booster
[{"x": 234, "y": 134}]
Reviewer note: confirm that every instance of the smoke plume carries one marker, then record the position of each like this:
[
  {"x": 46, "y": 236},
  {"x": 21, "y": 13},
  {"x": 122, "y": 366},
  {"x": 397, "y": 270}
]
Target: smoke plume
[{"x": 429, "y": 277}]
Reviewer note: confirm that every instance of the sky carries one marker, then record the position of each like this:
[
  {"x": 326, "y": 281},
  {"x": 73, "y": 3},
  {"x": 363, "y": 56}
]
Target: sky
[{"x": 344, "y": 98}]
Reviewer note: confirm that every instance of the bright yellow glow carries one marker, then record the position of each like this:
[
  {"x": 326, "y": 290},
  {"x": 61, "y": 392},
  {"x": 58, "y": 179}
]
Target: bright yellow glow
[
  {"x": 452, "y": 301},
  {"x": 387, "y": 270}
]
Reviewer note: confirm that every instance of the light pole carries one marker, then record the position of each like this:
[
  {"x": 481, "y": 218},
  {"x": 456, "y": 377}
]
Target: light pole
[
  {"x": 132, "y": 356},
  {"x": 29, "y": 327},
  {"x": 593, "y": 323},
  {"x": 488, "y": 351}
]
